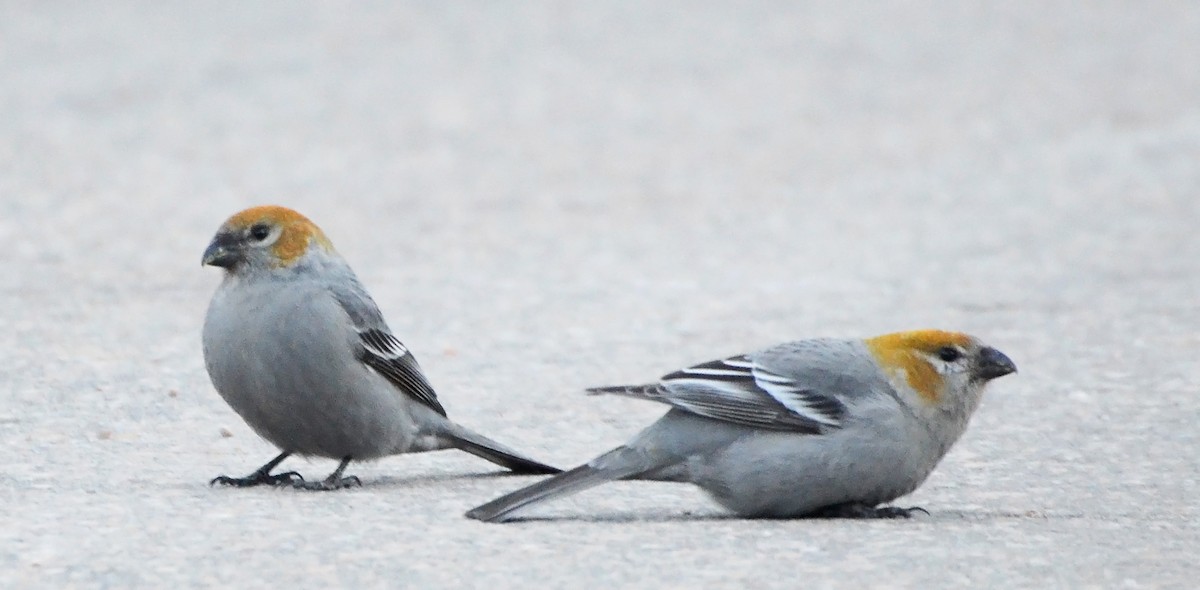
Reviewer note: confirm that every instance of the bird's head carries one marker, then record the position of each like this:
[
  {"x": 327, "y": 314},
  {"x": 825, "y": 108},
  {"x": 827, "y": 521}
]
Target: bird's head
[
  {"x": 941, "y": 370},
  {"x": 265, "y": 237}
]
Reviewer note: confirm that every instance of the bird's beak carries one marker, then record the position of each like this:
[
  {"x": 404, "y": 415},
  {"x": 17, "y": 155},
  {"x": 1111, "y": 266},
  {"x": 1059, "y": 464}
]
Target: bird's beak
[
  {"x": 220, "y": 252},
  {"x": 993, "y": 363}
]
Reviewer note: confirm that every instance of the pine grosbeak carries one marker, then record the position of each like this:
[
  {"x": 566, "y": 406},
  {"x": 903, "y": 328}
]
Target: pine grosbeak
[
  {"x": 293, "y": 342},
  {"x": 811, "y": 428}
]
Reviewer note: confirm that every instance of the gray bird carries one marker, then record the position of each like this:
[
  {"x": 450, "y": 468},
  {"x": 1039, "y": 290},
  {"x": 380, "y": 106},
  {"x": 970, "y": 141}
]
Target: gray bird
[
  {"x": 299, "y": 350},
  {"x": 821, "y": 427}
]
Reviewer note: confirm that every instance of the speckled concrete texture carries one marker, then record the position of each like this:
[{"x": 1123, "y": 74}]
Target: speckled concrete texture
[{"x": 549, "y": 196}]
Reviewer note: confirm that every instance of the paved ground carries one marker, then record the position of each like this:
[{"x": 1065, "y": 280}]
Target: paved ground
[{"x": 544, "y": 197}]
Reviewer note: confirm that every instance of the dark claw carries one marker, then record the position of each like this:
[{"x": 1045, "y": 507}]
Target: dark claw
[
  {"x": 856, "y": 510},
  {"x": 897, "y": 512},
  {"x": 329, "y": 485},
  {"x": 259, "y": 478}
]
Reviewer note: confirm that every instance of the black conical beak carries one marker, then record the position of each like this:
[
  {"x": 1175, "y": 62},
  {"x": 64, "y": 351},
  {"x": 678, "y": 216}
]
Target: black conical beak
[
  {"x": 993, "y": 363},
  {"x": 220, "y": 252}
]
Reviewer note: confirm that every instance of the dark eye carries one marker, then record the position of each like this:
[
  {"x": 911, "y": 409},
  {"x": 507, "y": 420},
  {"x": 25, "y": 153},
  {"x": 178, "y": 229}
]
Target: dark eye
[
  {"x": 260, "y": 231},
  {"x": 949, "y": 354}
]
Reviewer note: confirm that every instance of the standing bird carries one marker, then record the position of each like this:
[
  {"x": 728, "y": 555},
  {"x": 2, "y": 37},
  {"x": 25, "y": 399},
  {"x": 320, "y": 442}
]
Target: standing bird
[
  {"x": 295, "y": 345},
  {"x": 821, "y": 427}
]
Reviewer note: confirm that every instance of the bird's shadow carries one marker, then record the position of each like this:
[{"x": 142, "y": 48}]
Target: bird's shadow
[
  {"x": 393, "y": 481},
  {"x": 628, "y": 518},
  {"x": 687, "y": 517}
]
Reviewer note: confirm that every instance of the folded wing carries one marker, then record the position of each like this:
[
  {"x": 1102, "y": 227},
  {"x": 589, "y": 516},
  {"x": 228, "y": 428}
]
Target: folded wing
[
  {"x": 389, "y": 357},
  {"x": 742, "y": 391}
]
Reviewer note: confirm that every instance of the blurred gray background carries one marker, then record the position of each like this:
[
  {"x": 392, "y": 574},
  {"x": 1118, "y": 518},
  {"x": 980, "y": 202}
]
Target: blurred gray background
[{"x": 548, "y": 196}]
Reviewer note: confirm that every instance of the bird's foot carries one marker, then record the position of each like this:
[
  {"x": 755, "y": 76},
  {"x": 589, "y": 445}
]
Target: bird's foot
[
  {"x": 259, "y": 478},
  {"x": 856, "y": 510},
  {"x": 329, "y": 484}
]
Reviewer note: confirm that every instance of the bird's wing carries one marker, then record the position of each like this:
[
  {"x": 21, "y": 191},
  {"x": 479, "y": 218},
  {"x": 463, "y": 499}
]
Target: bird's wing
[
  {"x": 742, "y": 391},
  {"x": 382, "y": 351},
  {"x": 389, "y": 357}
]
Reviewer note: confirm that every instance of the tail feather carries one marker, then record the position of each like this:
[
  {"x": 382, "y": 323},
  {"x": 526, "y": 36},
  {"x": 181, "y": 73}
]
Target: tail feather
[
  {"x": 650, "y": 391},
  {"x": 619, "y": 463},
  {"x": 486, "y": 448}
]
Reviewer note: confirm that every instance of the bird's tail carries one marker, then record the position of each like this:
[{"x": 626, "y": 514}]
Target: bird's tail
[
  {"x": 618, "y": 463},
  {"x": 486, "y": 448}
]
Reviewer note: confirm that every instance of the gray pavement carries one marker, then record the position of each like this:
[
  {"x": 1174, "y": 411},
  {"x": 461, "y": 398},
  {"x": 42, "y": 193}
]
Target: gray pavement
[{"x": 547, "y": 196}]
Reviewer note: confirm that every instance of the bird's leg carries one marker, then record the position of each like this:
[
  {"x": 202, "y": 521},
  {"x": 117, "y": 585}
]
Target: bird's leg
[
  {"x": 262, "y": 476},
  {"x": 335, "y": 481},
  {"x": 858, "y": 510}
]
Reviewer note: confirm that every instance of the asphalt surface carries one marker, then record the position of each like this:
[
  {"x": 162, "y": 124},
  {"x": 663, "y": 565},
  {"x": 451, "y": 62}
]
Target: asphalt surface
[{"x": 549, "y": 196}]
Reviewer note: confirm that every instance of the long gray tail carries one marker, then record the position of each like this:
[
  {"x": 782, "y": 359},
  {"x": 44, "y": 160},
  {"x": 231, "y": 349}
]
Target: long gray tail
[
  {"x": 486, "y": 448},
  {"x": 618, "y": 463}
]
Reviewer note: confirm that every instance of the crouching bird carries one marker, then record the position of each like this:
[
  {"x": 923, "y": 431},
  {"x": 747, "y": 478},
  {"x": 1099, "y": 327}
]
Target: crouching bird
[{"x": 822, "y": 427}]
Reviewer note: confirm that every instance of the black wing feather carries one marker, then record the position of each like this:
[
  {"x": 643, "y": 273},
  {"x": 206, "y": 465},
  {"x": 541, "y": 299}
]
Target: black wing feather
[
  {"x": 388, "y": 356},
  {"x": 739, "y": 390}
]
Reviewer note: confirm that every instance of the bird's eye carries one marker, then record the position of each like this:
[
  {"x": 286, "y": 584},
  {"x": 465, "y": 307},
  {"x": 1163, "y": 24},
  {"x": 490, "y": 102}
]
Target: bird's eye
[
  {"x": 949, "y": 354},
  {"x": 260, "y": 231}
]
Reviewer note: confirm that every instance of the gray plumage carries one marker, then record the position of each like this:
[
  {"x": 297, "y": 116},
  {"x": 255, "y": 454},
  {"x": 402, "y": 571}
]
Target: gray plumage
[
  {"x": 804, "y": 428},
  {"x": 301, "y": 352}
]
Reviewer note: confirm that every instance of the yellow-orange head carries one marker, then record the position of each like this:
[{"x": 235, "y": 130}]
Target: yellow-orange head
[
  {"x": 937, "y": 364},
  {"x": 268, "y": 235}
]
